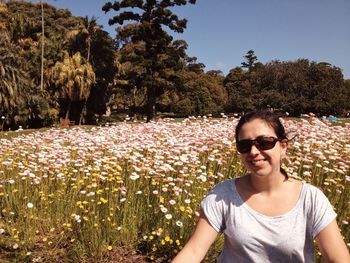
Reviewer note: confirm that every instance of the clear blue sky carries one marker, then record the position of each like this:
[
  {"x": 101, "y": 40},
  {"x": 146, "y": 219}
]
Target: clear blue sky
[{"x": 220, "y": 32}]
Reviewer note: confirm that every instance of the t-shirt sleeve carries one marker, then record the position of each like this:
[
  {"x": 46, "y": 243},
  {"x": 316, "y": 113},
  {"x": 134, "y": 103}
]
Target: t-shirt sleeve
[
  {"x": 322, "y": 212},
  {"x": 213, "y": 208}
]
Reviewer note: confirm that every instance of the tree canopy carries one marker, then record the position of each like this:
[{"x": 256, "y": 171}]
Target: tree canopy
[
  {"x": 154, "y": 53},
  {"x": 143, "y": 69}
]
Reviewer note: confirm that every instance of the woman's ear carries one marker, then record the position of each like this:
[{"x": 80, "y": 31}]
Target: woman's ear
[{"x": 284, "y": 146}]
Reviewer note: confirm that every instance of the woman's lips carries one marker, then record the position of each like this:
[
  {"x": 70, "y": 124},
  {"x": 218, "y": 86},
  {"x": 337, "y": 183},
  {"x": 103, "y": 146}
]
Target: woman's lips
[{"x": 257, "y": 162}]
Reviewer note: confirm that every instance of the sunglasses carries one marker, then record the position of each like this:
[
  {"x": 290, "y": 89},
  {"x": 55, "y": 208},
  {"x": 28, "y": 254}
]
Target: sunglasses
[{"x": 263, "y": 143}]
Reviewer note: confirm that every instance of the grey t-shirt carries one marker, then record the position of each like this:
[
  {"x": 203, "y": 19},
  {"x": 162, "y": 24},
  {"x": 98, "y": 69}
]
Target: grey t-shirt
[{"x": 253, "y": 237}]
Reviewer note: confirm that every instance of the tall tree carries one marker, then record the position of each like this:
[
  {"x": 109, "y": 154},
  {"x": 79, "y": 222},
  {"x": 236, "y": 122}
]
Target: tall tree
[
  {"x": 198, "y": 94},
  {"x": 23, "y": 22},
  {"x": 250, "y": 62},
  {"x": 83, "y": 36},
  {"x": 300, "y": 87},
  {"x": 346, "y": 90},
  {"x": 42, "y": 47},
  {"x": 149, "y": 19},
  {"x": 98, "y": 48},
  {"x": 74, "y": 78},
  {"x": 14, "y": 80},
  {"x": 240, "y": 91}
]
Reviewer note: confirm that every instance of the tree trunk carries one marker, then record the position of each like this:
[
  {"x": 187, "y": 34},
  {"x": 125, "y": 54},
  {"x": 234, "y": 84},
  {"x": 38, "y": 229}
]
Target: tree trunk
[
  {"x": 151, "y": 103},
  {"x": 88, "y": 53},
  {"x": 68, "y": 110},
  {"x": 82, "y": 112},
  {"x": 42, "y": 47}
]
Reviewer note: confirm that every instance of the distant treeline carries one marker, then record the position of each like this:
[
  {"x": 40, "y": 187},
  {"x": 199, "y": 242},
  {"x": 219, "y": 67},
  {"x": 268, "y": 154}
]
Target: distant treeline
[{"x": 57, "y": 66}]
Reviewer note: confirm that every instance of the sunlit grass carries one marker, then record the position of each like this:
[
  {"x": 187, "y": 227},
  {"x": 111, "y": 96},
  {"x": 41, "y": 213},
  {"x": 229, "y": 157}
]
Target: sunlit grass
[{"x": 77, "y": 193}]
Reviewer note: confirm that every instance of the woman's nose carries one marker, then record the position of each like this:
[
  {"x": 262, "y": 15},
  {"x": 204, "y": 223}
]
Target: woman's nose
[{"x": 254, "y": 149}]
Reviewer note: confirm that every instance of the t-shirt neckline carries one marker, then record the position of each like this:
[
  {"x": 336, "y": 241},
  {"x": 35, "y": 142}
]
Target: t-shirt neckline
[{"x": 256, "y": 213}]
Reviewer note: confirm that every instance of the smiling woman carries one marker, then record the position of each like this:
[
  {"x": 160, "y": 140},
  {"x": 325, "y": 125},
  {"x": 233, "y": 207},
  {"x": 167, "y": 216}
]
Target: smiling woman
[{"x": 264, "y": 215}]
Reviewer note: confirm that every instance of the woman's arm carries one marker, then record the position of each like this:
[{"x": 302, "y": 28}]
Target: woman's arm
[
  {"x": 195, "y": 249},
  {"x": 332, "y": 245}
]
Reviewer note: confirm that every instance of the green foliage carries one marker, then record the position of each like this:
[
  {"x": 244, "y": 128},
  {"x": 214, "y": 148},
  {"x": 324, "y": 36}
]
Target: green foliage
[
  {"x": 193, "y": 65},
  {"x": 153, "y": 49},
  {"x": 199, "y": 94},
  {"x": 64, "y": 34},
  {"x": 346, "y": 97},
  {"x": 24, "y": 24},
  {"x": 295, "y": 87},
  {"x": 14, "y": 80},
  {"x": 73, "y": 78},
  {"x": 301, "y": 87},
  {"x": 37, "y": 112},
  {"x": 144, "y": 69},
  {"x": 98, "y": 48},
  {"x": 250, "y": 62},
  {"x": 240, "y": 91}
]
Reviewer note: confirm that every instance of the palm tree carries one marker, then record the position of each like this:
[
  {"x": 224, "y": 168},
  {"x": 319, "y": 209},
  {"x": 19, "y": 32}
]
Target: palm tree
[
  {"x": 83, "y": 36},
  {"x": 74, "y": 78},
  {"x": 82, "y": 39},
  {"x": 90, "y": 27},
  {"x": 13, "y": 79}
]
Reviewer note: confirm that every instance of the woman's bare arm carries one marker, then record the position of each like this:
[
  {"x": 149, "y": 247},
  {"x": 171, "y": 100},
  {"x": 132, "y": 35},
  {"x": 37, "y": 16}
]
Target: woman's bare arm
[
  {"x": 199, "y": 243},
  {"x": 332, "y": 245}
]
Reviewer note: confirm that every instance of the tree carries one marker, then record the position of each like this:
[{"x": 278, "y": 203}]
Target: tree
[
  {"x": 198, "y": 94},
  {"x": 42, "y": 47},
  {"x": 193, "y": 65},
  {"x": 83, "y": 36},
  {"x": 89, "y": 31},
  {"x": 102, "y": 59},
  {"x": 346, "y": 90},
  {"x": 23, "y": 22},
  {"x": 240, "y": 91},
  {"x": 250, "y": 61},
  {"x": 14, "y": 80},
  {"x": 300, "y": 87},
  {"x": 99, "y": 50},
  {"x": 156, "y": 54},
  {"x": 74, "y": 78},
  {"x": 326, "y": 85},
  {"x": 36, "y": 112},
  {"x": 215, "y": 73},
  {"x": 128, "y": 91}
]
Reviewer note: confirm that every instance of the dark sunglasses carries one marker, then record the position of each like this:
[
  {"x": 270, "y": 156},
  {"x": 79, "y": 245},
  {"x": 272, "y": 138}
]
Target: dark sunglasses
[{"x": 263, "y": 143}]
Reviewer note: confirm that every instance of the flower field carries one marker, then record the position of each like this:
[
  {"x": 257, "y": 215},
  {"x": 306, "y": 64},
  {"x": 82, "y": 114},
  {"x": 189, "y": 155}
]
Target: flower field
[{"x": 69, "y": 195}]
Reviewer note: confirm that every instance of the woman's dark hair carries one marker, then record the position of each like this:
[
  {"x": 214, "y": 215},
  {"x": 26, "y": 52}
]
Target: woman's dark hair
[{"x": 270, "y": 119}]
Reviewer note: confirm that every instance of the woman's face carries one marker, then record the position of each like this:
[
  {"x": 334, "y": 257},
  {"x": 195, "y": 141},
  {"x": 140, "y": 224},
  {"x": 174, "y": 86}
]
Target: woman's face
[{"x": 261, "y": 162}]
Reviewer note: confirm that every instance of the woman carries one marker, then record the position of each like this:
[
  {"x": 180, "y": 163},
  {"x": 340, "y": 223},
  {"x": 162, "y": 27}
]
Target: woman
[{"x": 264, "y": 215}]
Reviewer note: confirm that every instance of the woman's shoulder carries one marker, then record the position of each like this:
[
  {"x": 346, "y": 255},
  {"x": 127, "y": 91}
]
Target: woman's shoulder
[
  {"x": 313, "y": 195},
  {"x": 312, "y": 189},
  {"x": 222, "y": 191},
  {"x": 297, "y": 183},
  {"x": 224, "y": 186}
]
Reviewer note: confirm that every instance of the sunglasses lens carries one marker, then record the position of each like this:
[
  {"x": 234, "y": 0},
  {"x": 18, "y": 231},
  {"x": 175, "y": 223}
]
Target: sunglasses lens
[
  {"x": 262, "y": 143},
  {"x": 266, "y": 143},
  {"x": 244, "y": 146}
]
